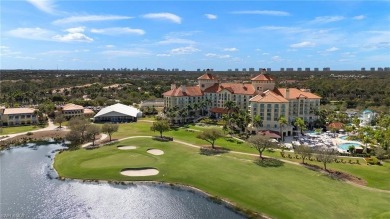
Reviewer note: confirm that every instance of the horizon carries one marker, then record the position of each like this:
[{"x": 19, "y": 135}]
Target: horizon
[{"x": 219, "y": 35}]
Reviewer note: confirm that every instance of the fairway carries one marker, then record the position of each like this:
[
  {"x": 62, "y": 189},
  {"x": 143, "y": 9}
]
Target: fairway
[{"x": 288, "y": 191}]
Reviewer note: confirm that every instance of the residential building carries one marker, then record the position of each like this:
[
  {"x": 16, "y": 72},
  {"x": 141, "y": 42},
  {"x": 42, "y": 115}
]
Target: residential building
[
  {"x": 118, "y": 113},
  {"x": 259, "y": 97},
  {"x": 72, "y": 110},
  {"x": 18, "y": 116}
]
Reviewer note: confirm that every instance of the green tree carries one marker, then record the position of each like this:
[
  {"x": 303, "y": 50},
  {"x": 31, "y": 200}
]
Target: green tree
[
  {"x": 160, "y": 126},
  {"x": 300, "y": 124},
  {"x": 260, "y": 143},
  {"x": 305, "y": 151},
  {"x": 282, "y": 123},
  {"x": 79, "y": 124},
  {"x": 110, "y": 128},
  {"x": 257, "y": 121},
  {"x": 91, "y": 132},
  {"x": 59, "y": 119},
  {"x": 326, "y": 156},
  {"x": 210, "y": 135}
]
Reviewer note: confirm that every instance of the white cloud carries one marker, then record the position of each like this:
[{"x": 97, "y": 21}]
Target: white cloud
[
  {"x": 230, "y": 49},
  {"x": 90, "y": 18},
  {"x": 169, "y": 40},
  {"x": 134, "y": 52},
  {"x": 163, "y": 55},
  {"x": 118, "y": 31},
  {"x": 211, "y": 16},
  {"x": 78, "y": 37},
  {"x": 332, "y": 49},
  {"x": 265, "y": 53},
  {"x": 282, "y": 29},
  {"x": 213, "y": 55},
  {"x": 46, "y": 6},
  {"x": 74, "y": 34},
  {"x": 34, "y": 33},
  {"x": 327, "y": 19},
  {"x": 184, "y": 50},
  {"x": 109, "y": 46},
  {"x": 276, "y": 58},
  {"x": 164, "y": 16},
  {"x": 263, "y": 12},
  {"x": 75, "y": 29},
  {"x": 359, "y": 17},
  {"x": 302, "y": 44}
]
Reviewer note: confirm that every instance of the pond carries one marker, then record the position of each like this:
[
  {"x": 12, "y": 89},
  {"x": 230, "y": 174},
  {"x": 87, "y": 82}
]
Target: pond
[{"x": 28, "y": 190}]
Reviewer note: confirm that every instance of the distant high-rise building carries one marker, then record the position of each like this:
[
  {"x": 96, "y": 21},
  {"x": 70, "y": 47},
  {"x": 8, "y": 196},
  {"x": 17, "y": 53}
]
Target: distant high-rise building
[
  {"x": 316, "y": 69},
  {"x": 281, "y": 69},
  {"x": 387, "y": 68},
  {"x": 198, "y": 69},
  {"x": 326, "y": 69},
  {"x": 380, "y": 69},
  {"x": 299, "y": 69},
  {"x": 251, "y": 69},
  {"x": 307, "y": 69},
  {"x": 229, "y": 69},
  {"x": 236, "y": 69},
  {"x": 243, "y": 69},
  {"x": 363, "y": 69},
  {"x": 268, "y": 69},
  {"x": 372, "y": 69},
  {"x": 289, "y": 69}
]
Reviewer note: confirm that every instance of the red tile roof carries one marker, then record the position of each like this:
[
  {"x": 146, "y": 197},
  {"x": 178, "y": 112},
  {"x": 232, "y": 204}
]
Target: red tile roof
[
  {"x": 8, "y": 111},
  {"x": 207, "y": 76},
  {"x": 88, "y": 111},
  {"x": 234, "y": 88},
  {"x": 269, "y": 133},
  {"x": 295, "y": 93},
  {"x": 268, "y": 97},
  {"x": 219, "y": 110},
  {"x": 71, "y": 106},
  {"x": 336, "y": 125},
  {"x": 263, "y": 77},
  {"x": 189, "y": 91}
]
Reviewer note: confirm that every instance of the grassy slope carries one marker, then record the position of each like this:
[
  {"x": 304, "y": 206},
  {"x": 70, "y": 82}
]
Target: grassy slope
[
  {"x": 18, "y": 129},
  {"x": 376, "y": 176},
  {"x": 285, "y": 192}
]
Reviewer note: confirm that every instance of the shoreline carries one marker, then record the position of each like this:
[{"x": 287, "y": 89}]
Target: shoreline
[{"x": 175, "y": 185}]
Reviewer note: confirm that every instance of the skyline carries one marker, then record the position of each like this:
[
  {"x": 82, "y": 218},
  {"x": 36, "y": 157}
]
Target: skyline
[{"x": 45, "y": 34}]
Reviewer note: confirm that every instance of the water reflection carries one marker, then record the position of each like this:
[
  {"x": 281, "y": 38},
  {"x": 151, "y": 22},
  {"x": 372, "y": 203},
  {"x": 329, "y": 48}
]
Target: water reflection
[{"x": 28, "y": 191}]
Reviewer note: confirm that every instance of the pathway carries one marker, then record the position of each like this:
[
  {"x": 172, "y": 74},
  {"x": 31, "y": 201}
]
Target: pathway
[{"x": 50, "y": 127}]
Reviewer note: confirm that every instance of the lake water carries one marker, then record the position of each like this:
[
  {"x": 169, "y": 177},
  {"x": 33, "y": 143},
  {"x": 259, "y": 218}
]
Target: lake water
[{"x": 27, "y": 190}]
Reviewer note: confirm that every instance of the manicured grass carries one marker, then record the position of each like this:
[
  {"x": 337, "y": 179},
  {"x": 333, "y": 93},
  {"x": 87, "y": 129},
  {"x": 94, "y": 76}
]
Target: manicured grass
[
  {"x": 376, "y": 176},
  {"x": 18, "y": 129},
  {"x": 288, "y": 191}
]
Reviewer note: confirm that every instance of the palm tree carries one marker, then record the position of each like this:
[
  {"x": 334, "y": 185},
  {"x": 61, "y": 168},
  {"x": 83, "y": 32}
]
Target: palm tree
[
  {"x": 183, "y": 114},
  {"x": 366, "y": 140},
  {"x": 257, "y": 121},
  {"x": 282, "y": 123},
  {"x": 229, "y": 106},
  {"x": 300, "y": 123}
]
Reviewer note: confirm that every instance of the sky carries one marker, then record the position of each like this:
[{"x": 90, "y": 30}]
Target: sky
[{"x": 190, "y": 35}]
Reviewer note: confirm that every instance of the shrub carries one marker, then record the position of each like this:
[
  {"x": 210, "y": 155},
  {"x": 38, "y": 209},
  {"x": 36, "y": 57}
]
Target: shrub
[
  {"x": 29, "y": 133},
  {"x": 269, "y": 162}
]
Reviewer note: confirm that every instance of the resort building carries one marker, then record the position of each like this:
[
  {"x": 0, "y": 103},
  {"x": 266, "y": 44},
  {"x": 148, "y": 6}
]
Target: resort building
[
  {"x": 259, "y": 97},
  {"x": 118, "y": 113},
  {"x": 72, "y": 110},
  {"x": 18, "y": 116}
]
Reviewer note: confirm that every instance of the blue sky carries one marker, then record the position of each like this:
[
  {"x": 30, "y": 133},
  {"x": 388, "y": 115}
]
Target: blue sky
[{"x": 342, "y": 35}]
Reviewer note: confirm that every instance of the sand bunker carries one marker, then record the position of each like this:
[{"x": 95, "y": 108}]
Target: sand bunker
[
  {"x": 140, "y": 172},
  {"x": 155, "y": 151},
  {"x": 127, "y": 147}
]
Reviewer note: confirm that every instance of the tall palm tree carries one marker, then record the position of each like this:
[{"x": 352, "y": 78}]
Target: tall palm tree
[
  {"x": 230, "y": 106},
  {"x": 300, "y": 123},
  {"x": 282, "y": 123},
  {"x": 257, "y": 121}
]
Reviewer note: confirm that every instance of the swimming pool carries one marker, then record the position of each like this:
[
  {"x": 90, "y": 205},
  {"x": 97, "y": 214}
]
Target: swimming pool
[
  {"x": 345, "y": 146},
  {"x": 344, "y": 137}
]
